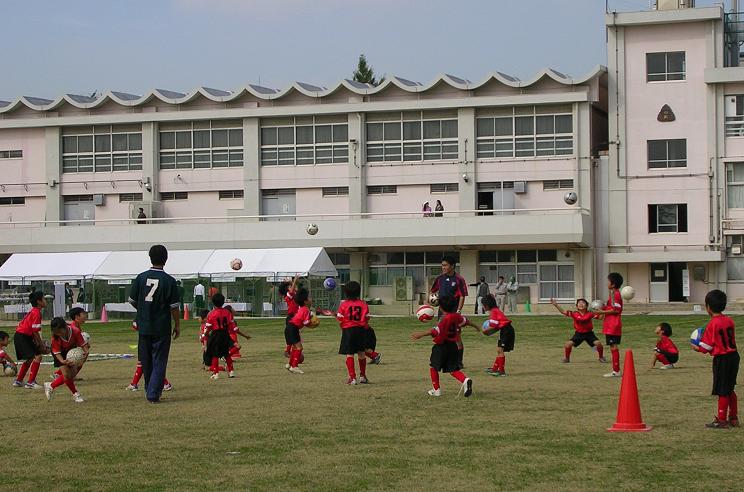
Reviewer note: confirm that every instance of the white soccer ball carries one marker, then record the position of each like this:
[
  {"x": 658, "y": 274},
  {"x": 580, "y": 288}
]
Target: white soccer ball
[
  {"x": 236, "y": 263},
  {"x": 434, "y": 299},
  {"x": 596, "y": 305},
  {"x": 425, "y": 313},
  {"x": 9, "y": 370},
  {"x": 571, "y": 198},
  {"x": 627, "y": 292},
  {"x": 76, "y": 355},
  {"x": 312, "y": 229}
]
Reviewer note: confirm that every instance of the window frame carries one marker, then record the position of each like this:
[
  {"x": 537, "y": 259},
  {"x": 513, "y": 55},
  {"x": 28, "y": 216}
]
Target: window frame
[
  {"x": 681, "y": 219},
  {"x": 13, "y": 201},
  {"x": 193, "y": 156},
  {"x": 666, "y": 73},
  {"x": 101, "y": 161},
  {"x": 172, "y": 196},
  {"x": 444, "y": 188},
  {"x": 315, "y": 153},
  {"x": 334, "y": 191},
  {"x": 412, "y": 149},
  {"x": 231, "y": 194},
  {"x": 667, "y": 161},
  {"x": 11, "y": 154},
  {"x": 377, "y": 190}
]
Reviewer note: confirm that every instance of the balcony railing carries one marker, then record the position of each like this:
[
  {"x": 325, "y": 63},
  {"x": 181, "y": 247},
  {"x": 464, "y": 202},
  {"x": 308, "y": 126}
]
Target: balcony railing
[{"x": 735, "y": 126}]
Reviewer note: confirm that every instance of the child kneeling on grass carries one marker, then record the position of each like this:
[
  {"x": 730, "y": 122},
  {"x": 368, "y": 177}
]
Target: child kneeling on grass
[
  {"x": 444, "y": 352},
  {"x": 665, "y": 351},
  {"x": 65, "y": 338}
]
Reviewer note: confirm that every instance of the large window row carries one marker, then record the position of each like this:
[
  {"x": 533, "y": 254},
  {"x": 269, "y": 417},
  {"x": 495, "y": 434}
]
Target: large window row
[
  {"x": 300, "y": 142},
  {"x": 553, "y": 276},
  {"x": 409, "y": 138},
  {"x": 202, "y": 145},
  {"x": 386, "y": 267},
  {"x": 524, "y": 135},
  {"x": 101, "y": 149}
]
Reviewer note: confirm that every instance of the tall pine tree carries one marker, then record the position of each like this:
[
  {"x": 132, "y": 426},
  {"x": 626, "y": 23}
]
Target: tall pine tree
[{"x": 364, "y": 73}]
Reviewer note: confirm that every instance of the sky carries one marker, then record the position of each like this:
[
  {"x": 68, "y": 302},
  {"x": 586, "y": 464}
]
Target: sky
[{"x": 51, "y": 47}]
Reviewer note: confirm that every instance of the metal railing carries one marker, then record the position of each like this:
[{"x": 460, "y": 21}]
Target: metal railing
[{"x": 734, "y": 126}]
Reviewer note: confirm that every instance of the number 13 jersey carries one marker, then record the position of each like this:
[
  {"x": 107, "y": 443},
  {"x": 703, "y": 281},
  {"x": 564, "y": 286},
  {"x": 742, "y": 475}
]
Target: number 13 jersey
[{"x": 353, "y": 313}]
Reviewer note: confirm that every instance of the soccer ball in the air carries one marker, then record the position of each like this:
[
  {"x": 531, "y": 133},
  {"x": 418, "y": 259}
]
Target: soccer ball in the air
[
  {"x": 329, "y": 283},
  {"x": 236, "y": 263},
  {"x": 312, "y": 229},
  {"x": 9, "y": 370},
  {"x": 627, "y": 292},
  {"x": 571, "y": 198},
  {"x": 76, "y": 356},
  {"x": 696, "y": 336},
  {"x": 434, "y": 299},
  {"x": 596, "y": 305},
  {"x": 425, "y": 313}
]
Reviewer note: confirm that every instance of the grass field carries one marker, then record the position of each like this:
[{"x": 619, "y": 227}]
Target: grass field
[{"x": 540, "y": 428}]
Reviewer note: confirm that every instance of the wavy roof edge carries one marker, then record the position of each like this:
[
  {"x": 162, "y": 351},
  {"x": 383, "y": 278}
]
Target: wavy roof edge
[{"x": 310, "y": 90}]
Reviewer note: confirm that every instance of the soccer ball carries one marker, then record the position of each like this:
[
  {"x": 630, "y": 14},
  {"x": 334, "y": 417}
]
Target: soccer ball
[
  {"x": 312, "y": 229},
  {"x": 696, "y": 336},
  {"x": 9, "y": 370},
  {"x": 76, "y": 356},
  {"x": 314, "y": 321},
  {"x": 236, "y": 263},
  {"x": 86, "y": 336},
  {"x": 571, "y": 198},
  {"x": 487, "y": 329},
  {"x": 596, "y": 305},
  {"x": 434, "y": 299},
  {"x": 425, "y": 313},
  {"x": 329, "y": 284},
  {"x": 627, "y": 292}
]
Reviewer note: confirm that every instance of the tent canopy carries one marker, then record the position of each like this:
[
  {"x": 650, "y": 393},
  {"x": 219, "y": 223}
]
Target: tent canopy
[
  {"x": 279, "y": 262},
  {"x": 124, "y": 265},
  {"x": 51, "y": 266}
]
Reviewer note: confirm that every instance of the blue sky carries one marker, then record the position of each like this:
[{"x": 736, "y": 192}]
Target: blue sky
[{"x": 79, "y": 46}]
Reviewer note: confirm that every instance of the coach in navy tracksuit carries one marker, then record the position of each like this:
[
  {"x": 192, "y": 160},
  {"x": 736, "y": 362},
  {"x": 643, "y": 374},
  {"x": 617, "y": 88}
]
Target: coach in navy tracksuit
[
  {"x": 450, "y": 283},
  {"x": 155, "y": 295}
]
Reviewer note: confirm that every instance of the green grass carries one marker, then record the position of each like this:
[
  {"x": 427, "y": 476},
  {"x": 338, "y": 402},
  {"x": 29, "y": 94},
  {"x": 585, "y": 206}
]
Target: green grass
[{"x": 542, "y": 427}]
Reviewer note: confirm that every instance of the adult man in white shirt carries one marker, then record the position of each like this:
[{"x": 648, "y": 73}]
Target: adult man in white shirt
[
  {"x": 199, "y": 297},
  {"x": 511, "y": 292},
  {"x": 500, "y": 292}
]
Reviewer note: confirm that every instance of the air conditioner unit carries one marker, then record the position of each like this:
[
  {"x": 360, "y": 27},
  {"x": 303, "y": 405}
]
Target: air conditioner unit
[
  {"x": 403, "y": 288},
  {"x": 99, "y": 200},
  {"x": 520, "y": 187}
]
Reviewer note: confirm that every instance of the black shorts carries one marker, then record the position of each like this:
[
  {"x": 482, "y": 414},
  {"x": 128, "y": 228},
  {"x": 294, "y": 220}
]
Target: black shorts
[
  {"x": 589, "y": 337},
  {"x": 370, "y": 339},
  {"x": 25, "y": 347},
  {"x": 506, "y": 338},
  {"x": 725, "y": 369},
  {"x": 613, "y": 339},
  {"x": 445, "y": 357},
  {"x": 218, "y": 344},
  {"x": 352, "y": 340},
  {"x": 291, "y": 334},
  {"x": 672, "y": 358},
  {"x": 57, "y": 363}
]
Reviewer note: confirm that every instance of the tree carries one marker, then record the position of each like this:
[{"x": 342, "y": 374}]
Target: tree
[{"x": 364, "y": 73}]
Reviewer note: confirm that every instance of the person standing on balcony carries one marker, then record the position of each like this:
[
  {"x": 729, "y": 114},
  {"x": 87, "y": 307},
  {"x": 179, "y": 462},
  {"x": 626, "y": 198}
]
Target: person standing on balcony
[
  {"x": 427, "y": 210},
  {"x": 512, "y": 288},
  {"x": 482, "y": 292},
  {"x": 500, "y": 291},
  {"x": 439, "y": 209},
  {"x": 141, "y": 217}
]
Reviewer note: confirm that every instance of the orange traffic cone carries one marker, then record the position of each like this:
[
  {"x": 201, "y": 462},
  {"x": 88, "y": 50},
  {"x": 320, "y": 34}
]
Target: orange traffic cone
[
  {"x": 185, "y": 312},
  {"x": 104, "y": 315},
  {"x": 629, "y": 408}
]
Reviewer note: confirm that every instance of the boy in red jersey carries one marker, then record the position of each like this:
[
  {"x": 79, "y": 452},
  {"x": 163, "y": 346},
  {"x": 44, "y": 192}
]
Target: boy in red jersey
[
  {"x": 302, "y": 319},
  {"x": 583, "y": 329},
  {"x": 219, "y": 324},
  {"x": 5, "y": 359},
  {"x": 499, "y": 322},
  {"x": 28, "y": 343},
  {"x": 719, "y": 340},
  {"x": 134, "y": 385},
  {"x": 64, "y": 338},
  {"x": 288, "y": 291},
  {"x": 353, "y": 317},
  {"x": 444, "y": 354},
  {"x": 612, "y": 326},
  {"x": 665, "y": 351}
]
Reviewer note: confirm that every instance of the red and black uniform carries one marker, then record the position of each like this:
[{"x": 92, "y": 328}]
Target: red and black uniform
[
  {"x": 666, "y": 352},
  {"x": 444, "y": 353},
  {"x": 353, "y": 317},
  {"x": 292, "y": 334},
  {"x": 612, "y": 326},
  {"x": 4, "y": 359},
  {"x": 219, "y": 324},
  {"x": 450, "y": 285},
  {"x": 719, "y": 340},
  {"x": 292, "y": 309},
  {"x": 62, "y": 345},
  {"x": 583, "y": 327},
  {"x": 499, "y": 322},
  {"x": 24, "y": 335}
]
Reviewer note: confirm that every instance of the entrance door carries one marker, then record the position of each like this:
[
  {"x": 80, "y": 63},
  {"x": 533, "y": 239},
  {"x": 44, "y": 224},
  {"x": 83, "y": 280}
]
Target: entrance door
[
  {"x": 485, "y": 202},
  {"x": 659, "y": 288},
  {"x": 677, "y": 274}
]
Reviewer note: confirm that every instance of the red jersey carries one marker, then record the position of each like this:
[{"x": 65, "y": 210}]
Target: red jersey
[
  {"x": 613, "y": 323},
  {"x": 718, "y": 337},
  {"x": 665, "y": 344},
  {"x": 292, "y": 306},
  {"x": 220, "y": 318},
  {"x": 203, "y": 332},
  {"x": 582, "y": 323},
  {"x": 353, "y": 313},
  {"x": 302, "y": 318},
  {"x": 450, "y": 285},
  {"x": 448, "y": 328},
  {"x": 73, "y": 338},
  {"x": 498, "y": 319},
  {"x": 31, "y": 323}
]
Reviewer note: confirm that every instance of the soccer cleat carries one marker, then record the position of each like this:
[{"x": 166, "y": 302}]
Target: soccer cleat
[
  {"x": 376, "y": 360},
  {"x": 489, "y": 370},
  {"x": 496, "y": 373},
  {"x": 231, "y": 374},
  {"x": 287, "y": 366},
  {"x": 734, "y": 422},
  {"x": 614, "y": 374},
  {"x": 718, "y": 424},
  {"x": 602, "y": 360},
  {"x": 435, "y": 392},
  {"x": 33, "y": 385},
  {"x": 351, "y": 381},
  {"x": 48, "y": 391},
  {"x": 296, "y": 370},
  {"x": 133, "y": 387},
  {"x": 77, "y": 398},
  {"x": 215, "y": 375},
  {"x": 668, "y": 366},
  {"x": 363, "y": 380},
  {"x": 17, "y": 384},
  {"x": 467, "y": 387},
  {"x": 167, "y": 387},
  {"x": 565, "y": 360}
]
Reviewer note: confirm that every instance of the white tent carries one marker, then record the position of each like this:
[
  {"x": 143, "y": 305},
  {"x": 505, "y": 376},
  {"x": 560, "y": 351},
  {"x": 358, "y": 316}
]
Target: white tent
[
  {"x": 125, "y": 265},
  {"x": 51, "y": 266},
  {"x": 279, "y": 262}
]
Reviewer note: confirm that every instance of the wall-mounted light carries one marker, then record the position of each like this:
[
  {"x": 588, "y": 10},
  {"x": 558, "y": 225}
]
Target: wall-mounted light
[
  {"x": 465, "y": 178},
  {"x": 148, "y": 184}
]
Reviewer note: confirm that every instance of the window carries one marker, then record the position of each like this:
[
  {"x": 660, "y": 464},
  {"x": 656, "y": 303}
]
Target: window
[
  {"x": 735, "y": 258},
  {"x": 661, "y": 67},
  {"x": 305, "y": 141},
  {"x": 735, "y": 185},
  {"x": 444, "y": 188},
  {"x": 382, "y": 190},
  {"x": 521, "y": 134},
  {"x": 11, "y": 154},
  {"x": 13, "y": 200},
  {"x": 665, "y": 154},
  {"x": 77, "y": 198},
  {"x": 530, "y": 267},
  {"x": 336, "y": 191},
  {"x": 734, "y": 112},
  {"x": 412, "y": 138},
  {"x": 667, "y": 218},
  {"x": 556, "y": 281},
  {"x": 101, "y": 149},
  {"x": 130, "y": 197},
  {"x": 231, "y": 194},
  {"x": 386, "y": 267},
  {"x": 202, "y": 145},
  {"x": 177, "y": 195},
  {"x": 558, "y": 184}
]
